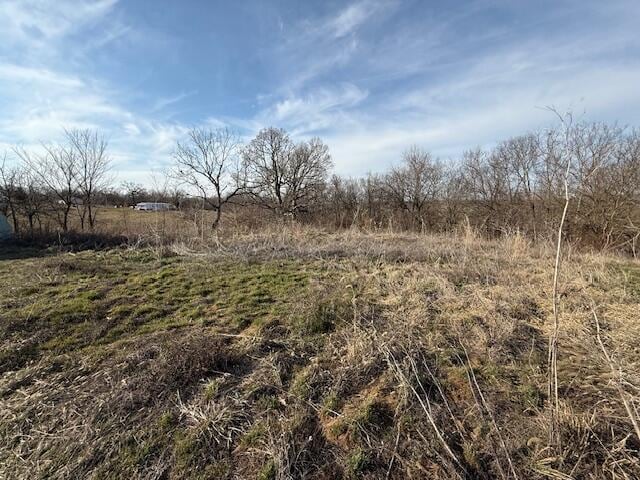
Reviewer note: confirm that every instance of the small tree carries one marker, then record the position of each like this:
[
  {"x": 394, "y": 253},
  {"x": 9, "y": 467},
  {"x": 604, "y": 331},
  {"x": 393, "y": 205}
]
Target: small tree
[
  {"x": 415, "y": 185},
  {"x": 487, "y": 186},
  {"x": 32, "y": 200},
  {"x": 92, "y": 170},
  {"x": 57, "y": 171},
  {"x": 10, "y": 178},
  {"x": 343, "y": 200},
  {"x": 134, "y": 192},
  {"x": 209, "y": 162},
  {"x": 522, "y": 155}
]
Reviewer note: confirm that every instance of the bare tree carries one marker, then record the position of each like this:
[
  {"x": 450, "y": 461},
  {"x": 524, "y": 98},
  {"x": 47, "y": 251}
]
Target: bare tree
[
  {"x": 484, "y": 186},
  {"x": 623, "y": 187},
  {"x": 452, "y": 197},
  {"x": 306, "y": 174},
  {"x": 32, "y": 199},
  {"x": 10, "y": 178},
  {"x": 92, "y": 170},
  {"x": 374, "y": 199},
  {"x": 415, "y": 185},
  {"x": 521, "y": 156},
  {"x": 566, "y": 122},
  {"x": 133, "y": 191},
  {"x": 57, "y": 170},
  {"x": 343, "y": 200},
  {"x": 282, "y": 176},
  {"x": 265, "y": 159},
  {"x": 209, "y": 162}
]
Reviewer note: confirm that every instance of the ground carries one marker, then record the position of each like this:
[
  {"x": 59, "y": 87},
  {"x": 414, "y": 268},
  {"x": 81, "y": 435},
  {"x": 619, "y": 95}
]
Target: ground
[{"x": 305, "y": 354}]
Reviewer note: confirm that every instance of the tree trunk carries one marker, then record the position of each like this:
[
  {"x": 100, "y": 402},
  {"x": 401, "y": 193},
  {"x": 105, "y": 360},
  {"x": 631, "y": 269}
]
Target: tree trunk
[
  {"x": 216, "y": 219},
  {"x": 14, "y": 217},
  {"x": 65, "y": 218}
]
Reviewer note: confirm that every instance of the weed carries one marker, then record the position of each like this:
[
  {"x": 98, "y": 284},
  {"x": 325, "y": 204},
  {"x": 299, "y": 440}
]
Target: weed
[
  {"x": 357, "y": 463},
  {"x": 268, "y": 471}
]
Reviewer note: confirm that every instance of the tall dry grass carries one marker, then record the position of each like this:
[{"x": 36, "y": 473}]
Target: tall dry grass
[{"x": 432, "y": 364}]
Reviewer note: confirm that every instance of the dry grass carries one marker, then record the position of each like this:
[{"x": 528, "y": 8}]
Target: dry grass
[{"x": 367, "y": 355}]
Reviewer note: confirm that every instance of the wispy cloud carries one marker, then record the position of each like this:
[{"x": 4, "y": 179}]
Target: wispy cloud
[
  {"x": 37, "y": 76},
  {"x": 164, "y": 102},
  {"x": 315, "y": 112},
  {"x": 109, "y": 35},
  {"x": 38, "y": 22},
  {"x": 370, "y": 77},
  {"x": 349, "y": 19},
  {"x": 467, "y": 89},
  {"x": 44, "y": 92},
  {"x": 315, "y": 47}
]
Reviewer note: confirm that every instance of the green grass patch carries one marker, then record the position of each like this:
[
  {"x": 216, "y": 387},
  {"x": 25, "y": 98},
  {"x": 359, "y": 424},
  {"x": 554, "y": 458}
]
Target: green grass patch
[{"x": 96, "y": 298}]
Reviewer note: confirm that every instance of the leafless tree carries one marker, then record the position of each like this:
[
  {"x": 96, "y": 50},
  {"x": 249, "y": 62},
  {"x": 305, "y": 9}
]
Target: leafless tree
[
  {"x": 265, "y": 159},
  {"x": 520, "y": 184},
  {"x": 602, "y": 183},
  {"x": 487, "y": 187},
  {"x": 133, "y": 191},
  {"x": 56, "y": 168},
  {"x": 92, "y": 171},
  {"x": 624, "y": 188},
  {"x": 10, "y": 179},
  {"x": 343, "y": 200},
  {"x": 282, "y": 176},
  {"x": 374, "y": 199},
  {"x": 452, "y": 197},
  {"x": 32, "y": 201},
  {"x": 209, "y": 162},
  {"x": 415, "y": 185},
  {"x": 521, "y": 156},
  {"x": 306, "y": 173}
]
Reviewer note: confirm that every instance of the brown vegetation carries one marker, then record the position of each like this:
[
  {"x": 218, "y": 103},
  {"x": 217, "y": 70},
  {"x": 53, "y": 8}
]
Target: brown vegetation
[
  {"x": 444, "y": 320},
  {"x": 298, "y": 353},
  {"x": 518, "y": 186}
]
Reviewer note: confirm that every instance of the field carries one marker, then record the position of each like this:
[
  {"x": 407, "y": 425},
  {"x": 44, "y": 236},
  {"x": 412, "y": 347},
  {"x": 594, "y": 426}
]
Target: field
[{"x": 299, "y": 353}]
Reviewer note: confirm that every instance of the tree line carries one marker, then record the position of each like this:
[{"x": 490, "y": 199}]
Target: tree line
[{"x": 518, "y": 185}]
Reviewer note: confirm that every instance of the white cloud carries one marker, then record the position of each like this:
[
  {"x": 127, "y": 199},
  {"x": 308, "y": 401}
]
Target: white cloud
[
  {"x": 39, "y": 102},
  {"x": 132, "y": 129},
  {"x": 38, "y": 22},
  {"x": 427, "y": 82},
  {"x": 110, "y": 35},
  {"x": 315, "y": 111},
  {"x": 315, "y": 47},
  {"x": 350, "y": 18},
  {"x": 34, "y": 76},
  {"x": 434, "y": 84},
  {"x": 451, "y": 118},
  {"x": 44, "y": 92},
  {"x": 162, "y": 103},
  {"x": 41, "y": 92}
]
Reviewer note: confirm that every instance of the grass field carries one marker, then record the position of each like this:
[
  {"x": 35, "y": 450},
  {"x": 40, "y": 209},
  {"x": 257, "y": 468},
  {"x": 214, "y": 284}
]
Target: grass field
[{"x": 304, "y": 354}]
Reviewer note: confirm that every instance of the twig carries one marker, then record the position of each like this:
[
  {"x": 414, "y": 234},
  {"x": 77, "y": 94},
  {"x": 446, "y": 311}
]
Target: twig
[
  {"x": 393, "y": 455},
  {"x": 554, "y": 437}
]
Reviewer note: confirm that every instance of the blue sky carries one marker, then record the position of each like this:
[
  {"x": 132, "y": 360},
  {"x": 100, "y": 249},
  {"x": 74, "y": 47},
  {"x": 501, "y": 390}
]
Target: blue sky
[{"x": 369, "y": 77}]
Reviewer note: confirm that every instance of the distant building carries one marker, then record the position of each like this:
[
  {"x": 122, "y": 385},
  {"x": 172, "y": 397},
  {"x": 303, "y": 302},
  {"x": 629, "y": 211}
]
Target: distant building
[
  {"x": 75, "y": 202},
  {"x": 154, "y": 207},
  {"x": 5, "y": 228}
]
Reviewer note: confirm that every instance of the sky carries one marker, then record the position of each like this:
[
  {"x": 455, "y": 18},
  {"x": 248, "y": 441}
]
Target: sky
[{"x": 370, "y": 77}]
